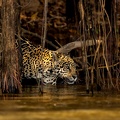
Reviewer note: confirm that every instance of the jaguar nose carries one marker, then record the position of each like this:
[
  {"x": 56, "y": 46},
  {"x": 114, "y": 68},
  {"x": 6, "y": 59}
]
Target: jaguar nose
[
  {"x": 74, "y": 77},
  {"x": 72, "y": 80}
]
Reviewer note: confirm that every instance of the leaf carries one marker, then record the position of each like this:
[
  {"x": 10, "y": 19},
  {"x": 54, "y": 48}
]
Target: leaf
[{"x": 34, "y": 16}]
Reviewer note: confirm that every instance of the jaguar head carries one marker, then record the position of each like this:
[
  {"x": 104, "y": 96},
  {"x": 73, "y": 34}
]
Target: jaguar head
[{"x": 67, "y": 69}]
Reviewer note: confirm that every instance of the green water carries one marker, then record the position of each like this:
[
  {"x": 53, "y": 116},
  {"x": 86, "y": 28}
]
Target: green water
[{"x": 63, "y": 103}]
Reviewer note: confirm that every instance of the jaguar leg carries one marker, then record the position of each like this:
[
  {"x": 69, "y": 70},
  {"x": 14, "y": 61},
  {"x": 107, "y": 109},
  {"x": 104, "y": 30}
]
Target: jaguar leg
[{"x": 40, "y": 86}]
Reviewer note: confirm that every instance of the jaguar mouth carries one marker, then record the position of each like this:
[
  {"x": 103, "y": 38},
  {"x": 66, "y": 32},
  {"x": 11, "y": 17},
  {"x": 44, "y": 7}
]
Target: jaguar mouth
[{"x": 71, "y": 80}]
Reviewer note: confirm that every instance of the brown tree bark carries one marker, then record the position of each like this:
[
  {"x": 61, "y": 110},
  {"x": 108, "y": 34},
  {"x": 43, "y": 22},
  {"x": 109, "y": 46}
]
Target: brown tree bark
[
  {"x": 10, "y": 81},
  {"x": 77, "y": 44}
]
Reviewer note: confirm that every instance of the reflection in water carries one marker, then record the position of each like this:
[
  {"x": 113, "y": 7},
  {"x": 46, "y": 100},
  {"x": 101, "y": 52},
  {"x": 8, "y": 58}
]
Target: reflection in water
[{"x": 59, "y": 103}]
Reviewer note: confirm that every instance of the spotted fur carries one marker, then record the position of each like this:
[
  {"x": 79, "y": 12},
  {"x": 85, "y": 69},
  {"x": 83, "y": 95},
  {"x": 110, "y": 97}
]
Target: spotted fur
[{"x": 39, "y": 63}]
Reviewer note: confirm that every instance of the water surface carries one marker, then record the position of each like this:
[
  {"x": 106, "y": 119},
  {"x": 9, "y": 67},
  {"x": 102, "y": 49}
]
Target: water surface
[{"x": 60, "y": 103}]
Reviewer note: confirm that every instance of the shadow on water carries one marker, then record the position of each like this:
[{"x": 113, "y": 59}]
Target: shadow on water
[{"x": 59, "y": 103}]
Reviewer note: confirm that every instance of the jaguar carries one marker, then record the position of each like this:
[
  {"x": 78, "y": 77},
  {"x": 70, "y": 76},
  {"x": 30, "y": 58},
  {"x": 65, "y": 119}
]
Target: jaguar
[{"x": 46, "y": 65}]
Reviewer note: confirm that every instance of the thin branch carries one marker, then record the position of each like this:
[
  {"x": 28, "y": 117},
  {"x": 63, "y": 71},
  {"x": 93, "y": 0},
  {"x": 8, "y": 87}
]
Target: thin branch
[
  {"x": 44, "y": 27},
  {"x": 38, "y": 36}
]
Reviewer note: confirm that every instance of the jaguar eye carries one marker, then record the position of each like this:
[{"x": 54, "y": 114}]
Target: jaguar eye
[{"x": 67, "y": 67}]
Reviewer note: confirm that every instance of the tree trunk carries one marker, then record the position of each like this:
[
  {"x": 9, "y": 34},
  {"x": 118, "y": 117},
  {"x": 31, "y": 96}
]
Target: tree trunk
[{"x": 10, "y": 81}]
